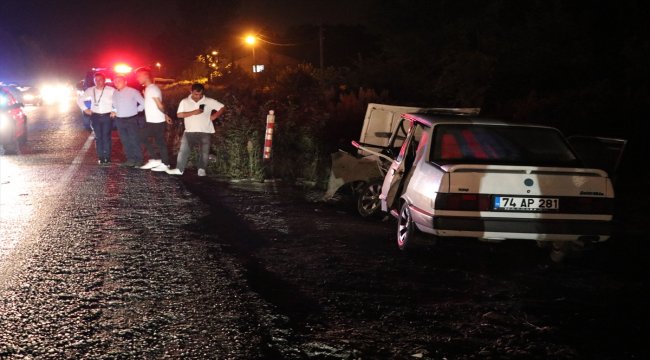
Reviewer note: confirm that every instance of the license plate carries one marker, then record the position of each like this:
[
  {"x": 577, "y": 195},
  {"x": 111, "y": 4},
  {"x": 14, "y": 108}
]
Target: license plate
[{"x": 516, "y": 203}]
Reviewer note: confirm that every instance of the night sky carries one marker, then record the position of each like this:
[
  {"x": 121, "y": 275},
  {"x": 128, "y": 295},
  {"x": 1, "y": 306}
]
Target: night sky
[{"x": 74, "y": 35}]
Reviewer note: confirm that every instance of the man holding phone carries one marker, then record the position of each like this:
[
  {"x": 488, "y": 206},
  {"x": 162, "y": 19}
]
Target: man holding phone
[{"x": 198, "y": 112}]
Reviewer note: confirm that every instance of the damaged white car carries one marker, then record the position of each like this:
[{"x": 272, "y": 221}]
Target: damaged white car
[
  {"x": 457, "y": 176},
  {"x": 363, "y": 171}
]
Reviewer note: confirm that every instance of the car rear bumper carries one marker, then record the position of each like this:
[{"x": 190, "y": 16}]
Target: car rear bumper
[
  {"x": 530, "y": 226},
  {"x": 513, "y": 228}
]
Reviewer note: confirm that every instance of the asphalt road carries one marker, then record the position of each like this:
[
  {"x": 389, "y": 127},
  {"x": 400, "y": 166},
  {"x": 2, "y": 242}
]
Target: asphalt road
[
  {"x": 95, "y": 262},
  {"x": 113, "y": 263}
]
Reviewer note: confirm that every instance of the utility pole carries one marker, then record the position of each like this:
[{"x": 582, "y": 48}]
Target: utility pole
[{"x": 320, "y": 46}]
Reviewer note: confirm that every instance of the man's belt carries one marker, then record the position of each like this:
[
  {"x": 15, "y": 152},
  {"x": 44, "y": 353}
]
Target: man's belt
[{"x": 128, "y": 117}]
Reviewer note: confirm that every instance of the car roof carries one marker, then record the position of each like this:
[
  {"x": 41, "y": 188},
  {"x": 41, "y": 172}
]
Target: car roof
[{"x": 430, "y": 119}]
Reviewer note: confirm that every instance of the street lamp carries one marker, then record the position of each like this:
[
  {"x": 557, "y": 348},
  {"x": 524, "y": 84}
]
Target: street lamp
[
  {"x": 158, "y": 66},
  {"x": 251, "y": 40}
]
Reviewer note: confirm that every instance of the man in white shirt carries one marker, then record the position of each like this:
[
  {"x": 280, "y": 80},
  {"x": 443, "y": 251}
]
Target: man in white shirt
[
  {"x": 127, "y": 104},
  {"x": 101, "y": 105},
  {"x": 154, "y": 112},
  {"x": 199, "y": 111}
]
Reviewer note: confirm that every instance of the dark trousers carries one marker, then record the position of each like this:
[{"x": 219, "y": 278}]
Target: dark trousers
[
  {"x": 157, "y": 132},
  {"x": 102, "y": 126},
  {"x": 190, "y": 140},
  {"x": 130, "y": 138}
]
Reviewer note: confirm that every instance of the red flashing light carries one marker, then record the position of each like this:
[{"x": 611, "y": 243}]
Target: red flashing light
[{"x": 122, "y": 69}]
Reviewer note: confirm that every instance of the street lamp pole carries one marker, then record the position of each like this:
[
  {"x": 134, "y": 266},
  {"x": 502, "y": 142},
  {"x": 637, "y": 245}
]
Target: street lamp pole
[
  {"x": 251, "y": 40},
  {"x": 254, "y": 60}
]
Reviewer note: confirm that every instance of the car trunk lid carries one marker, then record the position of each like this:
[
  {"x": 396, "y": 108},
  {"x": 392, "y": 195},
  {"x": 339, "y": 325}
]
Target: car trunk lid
[{"x": 528, "y": 180}]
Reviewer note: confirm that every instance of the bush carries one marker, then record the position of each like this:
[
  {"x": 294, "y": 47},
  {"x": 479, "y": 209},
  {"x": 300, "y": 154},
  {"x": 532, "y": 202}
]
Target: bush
[{"x": 315, "y": 112}]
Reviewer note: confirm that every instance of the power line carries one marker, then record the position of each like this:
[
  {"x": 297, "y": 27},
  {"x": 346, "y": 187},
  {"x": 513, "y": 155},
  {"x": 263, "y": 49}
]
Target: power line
[{"x": 260, "y": 37}]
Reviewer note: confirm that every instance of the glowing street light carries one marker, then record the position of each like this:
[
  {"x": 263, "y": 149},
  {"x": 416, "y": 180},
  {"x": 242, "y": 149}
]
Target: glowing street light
[
  {"x": 250, "y": 40},
  {"x": 158, "y": 65},
  {"x": 214, "y": 52}
]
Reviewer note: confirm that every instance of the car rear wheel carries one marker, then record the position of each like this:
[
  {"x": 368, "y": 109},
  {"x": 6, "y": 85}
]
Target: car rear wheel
[
  {"x": 11, "y": 147},
  {"x": 10, "y": 142},
  {"x": 23, "y": 138},
  {"x": 368, "y": 202},
  {"x": 406, "y": 230}
]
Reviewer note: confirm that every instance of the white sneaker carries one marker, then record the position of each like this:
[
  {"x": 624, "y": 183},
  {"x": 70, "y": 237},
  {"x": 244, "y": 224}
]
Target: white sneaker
[
  {"x": 151, "y": 164},
  {"x": 160, "y": 168},
  {"x": 174, "y": 172},
  {"x": 201, "y": 172}
]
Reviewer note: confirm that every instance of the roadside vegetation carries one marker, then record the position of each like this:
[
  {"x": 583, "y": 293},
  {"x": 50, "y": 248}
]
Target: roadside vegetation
[
  {"x": 548, "y": 63},
  {"x": 316, "y": 112}
]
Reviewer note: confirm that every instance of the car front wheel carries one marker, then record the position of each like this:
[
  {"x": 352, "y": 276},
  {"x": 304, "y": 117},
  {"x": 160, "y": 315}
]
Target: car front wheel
[{"x": 368, "y": 202}]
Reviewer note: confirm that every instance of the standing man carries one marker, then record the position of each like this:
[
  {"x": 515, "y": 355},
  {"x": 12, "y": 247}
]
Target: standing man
[
  {"x": 155, "y": 125},
  {"x": 199, "y": 112},
  {"x": 101, "y": 105},
  {"x": 128, "y": 102}
]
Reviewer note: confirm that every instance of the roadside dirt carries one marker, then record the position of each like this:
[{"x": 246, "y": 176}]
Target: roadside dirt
[{"x": 347, "y": 292}]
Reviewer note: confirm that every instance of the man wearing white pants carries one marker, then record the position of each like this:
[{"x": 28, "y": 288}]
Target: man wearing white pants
[{"x": 198, "y": 112}]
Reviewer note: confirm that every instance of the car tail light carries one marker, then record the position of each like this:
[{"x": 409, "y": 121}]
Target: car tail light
[
  {"x": 462, "y": 202},
  {"x": 587, "y": 205}
]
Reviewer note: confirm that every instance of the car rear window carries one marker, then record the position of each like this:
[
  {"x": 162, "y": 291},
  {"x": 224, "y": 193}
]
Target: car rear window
[{"x": 500, "y": 145}]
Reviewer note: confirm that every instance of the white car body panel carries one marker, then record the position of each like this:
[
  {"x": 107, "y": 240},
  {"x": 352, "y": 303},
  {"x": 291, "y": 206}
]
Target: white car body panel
[{"x": 564, "y": 183}]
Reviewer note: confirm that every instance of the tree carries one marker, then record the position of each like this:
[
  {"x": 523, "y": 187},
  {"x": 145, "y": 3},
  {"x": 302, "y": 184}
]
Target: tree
[{"x": 201, "y": 26}]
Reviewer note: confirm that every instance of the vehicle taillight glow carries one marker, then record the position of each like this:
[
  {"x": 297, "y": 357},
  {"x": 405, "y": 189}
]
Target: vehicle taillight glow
[{"x": 462, "y": 202}]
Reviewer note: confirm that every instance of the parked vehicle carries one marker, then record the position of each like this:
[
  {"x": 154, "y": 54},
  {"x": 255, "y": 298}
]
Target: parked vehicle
[
  {"x": 363, "y": 171},
  {"x": 459, "y": 176},
  {"x": 13, "y": 122}
]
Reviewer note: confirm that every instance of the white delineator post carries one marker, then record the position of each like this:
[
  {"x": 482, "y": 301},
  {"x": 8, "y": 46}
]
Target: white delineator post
[{"x": 268, "y": 138}]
